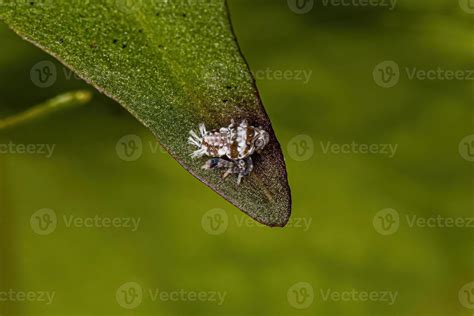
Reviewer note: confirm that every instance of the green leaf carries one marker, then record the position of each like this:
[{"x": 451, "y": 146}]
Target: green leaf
[{"x": 171, "y": 64}]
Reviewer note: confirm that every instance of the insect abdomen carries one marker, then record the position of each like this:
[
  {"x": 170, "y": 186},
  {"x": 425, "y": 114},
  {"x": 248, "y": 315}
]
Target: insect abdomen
[
  {"x": 241, "y": 142},
  {"x": 216, "y": 143}
]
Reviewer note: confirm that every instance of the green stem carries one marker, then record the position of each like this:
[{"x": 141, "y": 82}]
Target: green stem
[{"x": 63, "y": 101}]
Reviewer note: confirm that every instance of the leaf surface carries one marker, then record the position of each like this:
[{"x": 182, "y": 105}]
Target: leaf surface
[{"x": 173, "y": 65}]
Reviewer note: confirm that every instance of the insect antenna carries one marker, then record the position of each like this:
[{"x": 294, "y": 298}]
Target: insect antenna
[{"x": 194, "y": 139}]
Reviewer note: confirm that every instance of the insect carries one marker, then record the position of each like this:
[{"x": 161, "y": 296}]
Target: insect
[{"x": 229, "y": 147}]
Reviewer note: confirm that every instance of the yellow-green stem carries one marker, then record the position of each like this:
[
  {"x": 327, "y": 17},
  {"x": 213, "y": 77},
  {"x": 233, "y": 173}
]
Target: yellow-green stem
[{"x": 63, "y": 101}]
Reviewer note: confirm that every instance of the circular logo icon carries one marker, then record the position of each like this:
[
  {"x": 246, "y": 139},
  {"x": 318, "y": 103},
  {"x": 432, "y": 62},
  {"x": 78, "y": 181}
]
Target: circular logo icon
[
  {"x": 300, "y": 295},
  {"x": 466, "y": 148},
  {"x": 467, "y": 6},
  {"x": 301, "y": 148},
  {"x": 129, "y": 295},
  {"x": 44, "y": 74},
  {"x": 215, "y": 221},
  {"x": 129, "y": 148},
  {"x": 128, "y": 6},
  {"x": 386, "y": 221},
  {"x": 301, "y": 6},
  {"x": 466, "y": 295},
  {"x": 44, "y": 221},
  {"x": 387, "y": 74}
]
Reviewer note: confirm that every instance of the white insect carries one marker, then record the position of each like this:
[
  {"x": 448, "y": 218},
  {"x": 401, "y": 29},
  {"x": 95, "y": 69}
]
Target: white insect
[{"x": 230, "y": 147}]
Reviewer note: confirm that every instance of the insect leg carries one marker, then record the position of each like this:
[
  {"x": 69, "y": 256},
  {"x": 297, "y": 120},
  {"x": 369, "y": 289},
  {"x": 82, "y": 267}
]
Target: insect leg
[
  {"x": 249, "y": 167},
  {"x": 218, "y": 163},
  {"x": 228, "y": 172},
  {"x": 243, "y": 168},
  {"x": 239, "y": 178}
]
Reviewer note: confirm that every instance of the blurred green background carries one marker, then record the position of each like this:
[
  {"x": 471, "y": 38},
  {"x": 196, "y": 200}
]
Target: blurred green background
[{"x": 339, "y": 254}]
